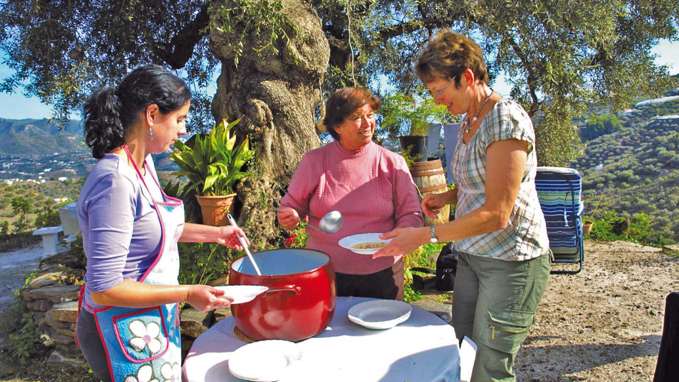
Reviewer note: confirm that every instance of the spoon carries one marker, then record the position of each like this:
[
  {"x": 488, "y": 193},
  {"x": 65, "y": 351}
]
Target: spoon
[
  {"x": 244, "y": 244},
  {"x": 331, "y": 222}
]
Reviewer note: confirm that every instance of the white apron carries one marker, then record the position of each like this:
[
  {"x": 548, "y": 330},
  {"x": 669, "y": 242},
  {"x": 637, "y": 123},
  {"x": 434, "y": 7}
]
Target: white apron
[{"x": 144, "y": 344}]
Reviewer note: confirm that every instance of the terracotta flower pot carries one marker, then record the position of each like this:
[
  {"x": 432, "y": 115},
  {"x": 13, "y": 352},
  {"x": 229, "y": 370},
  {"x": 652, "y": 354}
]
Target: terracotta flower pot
[
  {"x": 587, "y": 228},
  {"x": 215, "y": 208}
]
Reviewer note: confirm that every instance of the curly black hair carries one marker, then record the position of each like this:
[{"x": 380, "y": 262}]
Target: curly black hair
[{"x": 109, "y": 112}]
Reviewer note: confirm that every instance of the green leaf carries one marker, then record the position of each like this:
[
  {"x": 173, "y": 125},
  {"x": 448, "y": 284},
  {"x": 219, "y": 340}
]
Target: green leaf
[
  {"x": 213, "y": 162},
  {"x": 209, "y": 182}
]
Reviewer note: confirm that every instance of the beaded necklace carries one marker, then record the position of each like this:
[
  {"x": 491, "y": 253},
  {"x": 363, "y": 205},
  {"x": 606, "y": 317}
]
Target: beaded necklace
[{"x": 467, "y": 123}]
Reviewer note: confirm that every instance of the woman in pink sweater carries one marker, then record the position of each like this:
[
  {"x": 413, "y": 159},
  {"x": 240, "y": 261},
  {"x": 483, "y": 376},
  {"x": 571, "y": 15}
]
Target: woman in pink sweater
[{"x": 370, "y": 185}]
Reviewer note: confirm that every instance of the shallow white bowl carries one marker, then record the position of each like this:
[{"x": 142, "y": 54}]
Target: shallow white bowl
[
  {"x": 349, "y": 242},
  {"x": 242, "y": 293},
  {"x": 379, "y": 314}
]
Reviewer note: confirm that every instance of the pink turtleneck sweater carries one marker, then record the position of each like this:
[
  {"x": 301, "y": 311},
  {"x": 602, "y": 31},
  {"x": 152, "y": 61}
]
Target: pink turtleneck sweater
[{"x": 373, "y": 190}]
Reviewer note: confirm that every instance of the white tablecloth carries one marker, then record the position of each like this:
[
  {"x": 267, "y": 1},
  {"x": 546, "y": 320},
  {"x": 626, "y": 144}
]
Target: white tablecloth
[{"x": 422, "y": 349}]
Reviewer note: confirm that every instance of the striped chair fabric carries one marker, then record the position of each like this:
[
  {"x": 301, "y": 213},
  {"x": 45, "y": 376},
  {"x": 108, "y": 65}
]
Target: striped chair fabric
[{"x": 560, "y": 194}]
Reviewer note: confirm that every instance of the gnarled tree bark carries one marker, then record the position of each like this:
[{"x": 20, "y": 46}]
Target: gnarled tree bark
[{"x": 275, "y": 96}]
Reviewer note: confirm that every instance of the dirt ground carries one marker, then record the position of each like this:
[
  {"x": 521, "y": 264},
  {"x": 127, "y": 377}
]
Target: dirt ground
[{"x": 603, "y": 324}]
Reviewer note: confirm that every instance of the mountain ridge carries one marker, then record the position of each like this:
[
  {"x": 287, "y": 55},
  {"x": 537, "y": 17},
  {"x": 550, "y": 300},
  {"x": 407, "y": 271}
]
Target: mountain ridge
[{"x": 38, "y": 137}]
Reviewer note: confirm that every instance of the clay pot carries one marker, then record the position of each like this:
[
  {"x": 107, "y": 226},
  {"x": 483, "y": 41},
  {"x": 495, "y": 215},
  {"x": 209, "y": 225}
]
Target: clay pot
[
  {"x": 215, "y": 208},
  {"x": 587, "y": 228}
]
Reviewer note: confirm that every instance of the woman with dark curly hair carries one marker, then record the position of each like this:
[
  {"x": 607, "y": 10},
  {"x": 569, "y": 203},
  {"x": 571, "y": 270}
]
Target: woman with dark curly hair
[
  {"x": 499, "y": 230},
  {"x": 129, "y": 327}
]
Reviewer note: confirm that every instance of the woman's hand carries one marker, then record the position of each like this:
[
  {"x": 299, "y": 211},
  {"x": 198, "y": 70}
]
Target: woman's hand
[
  {"x": 228, "y": 236},
  {"x": 205, "y": 297},
  {"x": 403, "y": 241},
  {"x": 288, "y": 217},
  {"x": 432, "y": 203}
]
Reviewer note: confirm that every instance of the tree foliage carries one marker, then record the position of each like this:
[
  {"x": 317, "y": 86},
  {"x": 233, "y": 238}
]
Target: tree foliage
[
  {"x": 61, "y": 50},
  {"x": 558, "y": 55},
  {"x": 406, "y": 115}
]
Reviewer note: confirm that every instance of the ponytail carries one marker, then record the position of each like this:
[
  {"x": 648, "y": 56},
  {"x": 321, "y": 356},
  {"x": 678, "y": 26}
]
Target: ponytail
[
  {"x": 110, "y": 112},
  {"x": 103, "y": 129}
]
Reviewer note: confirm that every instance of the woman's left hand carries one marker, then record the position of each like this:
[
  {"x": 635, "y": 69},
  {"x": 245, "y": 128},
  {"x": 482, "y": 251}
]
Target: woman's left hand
[
  {"x": 205, "y": 298},
  {"x": 228, "y": 236},
  {"x": 403, "y": 241}
]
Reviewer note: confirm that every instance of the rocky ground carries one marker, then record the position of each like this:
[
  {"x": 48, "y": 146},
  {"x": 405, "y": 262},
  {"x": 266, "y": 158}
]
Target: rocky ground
[{"x": 603, "y": 324}]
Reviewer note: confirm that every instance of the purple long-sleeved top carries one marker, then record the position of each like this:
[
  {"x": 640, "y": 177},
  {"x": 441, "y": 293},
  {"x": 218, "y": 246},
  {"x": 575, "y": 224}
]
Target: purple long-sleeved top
[{"x": 121, "y": 231}]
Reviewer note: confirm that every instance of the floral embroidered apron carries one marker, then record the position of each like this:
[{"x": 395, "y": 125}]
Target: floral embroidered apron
[{"x": 144, "y": 344}]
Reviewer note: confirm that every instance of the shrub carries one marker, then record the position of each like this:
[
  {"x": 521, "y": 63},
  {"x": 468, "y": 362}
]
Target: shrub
[
  {"x": 599, "y": 125},
  {"x": 24, "y": 341},
  {"x": 298, "y": 237},
  {"x": 638, "y": 228},
  {"x": 201, "y": 263},
  {"x": 48, "y": 215},
  {"x": 425, "y": 257},
  {"x": 4, "y": 228}
]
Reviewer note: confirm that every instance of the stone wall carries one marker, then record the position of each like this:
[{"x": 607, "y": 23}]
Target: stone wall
[
  {"x": 51, "y": 297},
  {"x": 52, "y": 300}
]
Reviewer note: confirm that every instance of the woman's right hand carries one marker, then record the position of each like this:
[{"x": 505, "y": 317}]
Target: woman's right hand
[
  {"x": 288, "y": 217},
  {"x": 432, "y": 203},
  {"x": 205, "y": 297}
]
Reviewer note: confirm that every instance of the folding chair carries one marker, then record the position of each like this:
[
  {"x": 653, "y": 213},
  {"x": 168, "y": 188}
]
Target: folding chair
[{"x": 560, "y": 194}]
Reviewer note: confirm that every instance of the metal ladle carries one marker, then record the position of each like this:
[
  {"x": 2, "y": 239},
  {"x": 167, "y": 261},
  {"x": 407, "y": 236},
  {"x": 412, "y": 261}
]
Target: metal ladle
[
  {"x": 331, "y": 222},
  {"x": 244, "y": 243}
]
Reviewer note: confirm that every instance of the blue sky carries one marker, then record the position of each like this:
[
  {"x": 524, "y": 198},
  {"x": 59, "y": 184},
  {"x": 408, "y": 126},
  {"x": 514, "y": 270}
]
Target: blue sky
[{"x": 18, "y": 106}]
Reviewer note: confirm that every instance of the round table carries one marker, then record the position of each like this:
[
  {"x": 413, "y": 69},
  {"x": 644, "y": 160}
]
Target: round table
[{"x": 423, "y": 348}]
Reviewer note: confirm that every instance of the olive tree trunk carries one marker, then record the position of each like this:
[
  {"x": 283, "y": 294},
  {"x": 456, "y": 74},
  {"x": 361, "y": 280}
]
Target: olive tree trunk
[{"x": 275, "y": 95}]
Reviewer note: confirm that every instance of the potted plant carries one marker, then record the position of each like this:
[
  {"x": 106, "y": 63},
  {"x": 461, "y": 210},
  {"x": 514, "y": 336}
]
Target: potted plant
[
  {"x": 587, "y": 227},
  {"x": 213, "y": 164},
  {"x": 402, "y": 112}
]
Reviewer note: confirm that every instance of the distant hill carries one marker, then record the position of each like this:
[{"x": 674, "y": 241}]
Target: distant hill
[
  {"x": 36, "y": 141},
  {"x": 38, "y": 137},
  {"x": 634, "y": 167}
]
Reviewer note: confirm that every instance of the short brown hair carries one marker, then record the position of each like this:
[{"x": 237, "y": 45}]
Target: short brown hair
[
  {"x": 447, "y": 55},
  {"x": 345, "y": 101}
]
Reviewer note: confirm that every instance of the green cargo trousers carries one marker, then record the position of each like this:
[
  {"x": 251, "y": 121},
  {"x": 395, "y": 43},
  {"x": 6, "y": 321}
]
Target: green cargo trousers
[{"x": 494, "y": 304}]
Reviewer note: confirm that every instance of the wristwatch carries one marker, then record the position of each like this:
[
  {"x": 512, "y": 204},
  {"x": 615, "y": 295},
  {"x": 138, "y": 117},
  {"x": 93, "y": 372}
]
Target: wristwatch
[{"x": 432, "y": 230}]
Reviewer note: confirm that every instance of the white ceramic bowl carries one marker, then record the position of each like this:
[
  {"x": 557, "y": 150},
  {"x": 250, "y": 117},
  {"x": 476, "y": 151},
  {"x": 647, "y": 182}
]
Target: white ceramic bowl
[{"x": 242, "y": 293}]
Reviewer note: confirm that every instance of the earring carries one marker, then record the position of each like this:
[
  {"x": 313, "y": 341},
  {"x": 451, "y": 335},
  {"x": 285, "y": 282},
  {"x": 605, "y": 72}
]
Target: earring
[{"x": 151, "y": 133}]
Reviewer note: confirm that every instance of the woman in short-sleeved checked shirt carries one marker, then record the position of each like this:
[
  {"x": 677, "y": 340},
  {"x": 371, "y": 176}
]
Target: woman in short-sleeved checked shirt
[{"x": 499, "y": 230}]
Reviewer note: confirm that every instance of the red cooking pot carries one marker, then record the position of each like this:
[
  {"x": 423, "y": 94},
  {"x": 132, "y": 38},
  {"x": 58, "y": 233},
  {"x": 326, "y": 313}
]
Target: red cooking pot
[{"x": 301, "y": 297}]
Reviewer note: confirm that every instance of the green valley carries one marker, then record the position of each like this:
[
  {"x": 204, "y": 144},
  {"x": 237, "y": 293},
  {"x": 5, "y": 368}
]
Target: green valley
[{"x": 631, "y": 167}]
